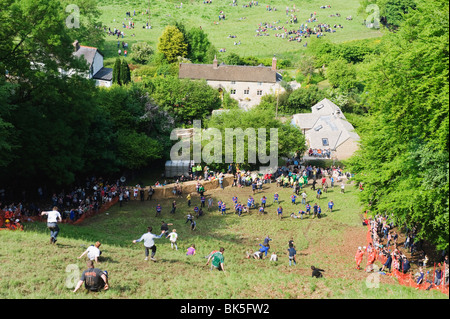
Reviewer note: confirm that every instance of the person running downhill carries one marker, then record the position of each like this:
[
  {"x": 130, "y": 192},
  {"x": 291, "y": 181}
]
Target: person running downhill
[{"x": 149, "y": 243}]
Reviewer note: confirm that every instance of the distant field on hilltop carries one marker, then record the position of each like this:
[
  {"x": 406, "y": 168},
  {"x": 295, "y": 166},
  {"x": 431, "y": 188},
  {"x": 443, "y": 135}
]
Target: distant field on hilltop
[{"x": 240, "y": 21}]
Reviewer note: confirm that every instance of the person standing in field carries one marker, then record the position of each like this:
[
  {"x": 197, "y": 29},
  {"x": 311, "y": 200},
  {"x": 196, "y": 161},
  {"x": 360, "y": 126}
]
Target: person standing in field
[
  {"x": 158, "y": 210},
  {"x": 280, "y": 212},
  {"x": 149, "y": 242},
  {"x": 359, "y": 257},
  {"x": 53, "y": 217},
  {"x": 188, "y": 197},
  {"x": 292, "y": 253}
]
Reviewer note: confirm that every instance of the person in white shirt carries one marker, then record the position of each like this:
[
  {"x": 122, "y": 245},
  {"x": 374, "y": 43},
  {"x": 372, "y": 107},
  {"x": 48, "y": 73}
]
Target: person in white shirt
[
  {"x": 173, "y": 239},
  {"x": 53, "y": 217},
  {"x": 93, "y": 252},
  {"x": 149, "y": 242}
]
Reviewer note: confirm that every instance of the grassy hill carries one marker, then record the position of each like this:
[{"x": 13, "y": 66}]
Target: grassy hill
[
  {"x": 32, "y": 268},
  {"x": 240, "y": 21}
]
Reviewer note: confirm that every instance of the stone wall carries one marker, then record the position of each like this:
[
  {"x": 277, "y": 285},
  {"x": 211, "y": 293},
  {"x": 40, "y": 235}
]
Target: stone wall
[{"x": 186, "y": 188}]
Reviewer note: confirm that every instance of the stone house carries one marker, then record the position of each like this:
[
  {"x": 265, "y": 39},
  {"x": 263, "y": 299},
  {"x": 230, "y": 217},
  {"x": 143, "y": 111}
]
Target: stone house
[
  {"x": 326, "y": 127},
  {"x": 246, "y": 84}
]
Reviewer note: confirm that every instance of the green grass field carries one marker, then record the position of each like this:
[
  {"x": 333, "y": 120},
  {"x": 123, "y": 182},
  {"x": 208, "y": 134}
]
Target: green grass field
[
  {"x": 34, "y": 269},
  {"x": 240, "y": 21}
]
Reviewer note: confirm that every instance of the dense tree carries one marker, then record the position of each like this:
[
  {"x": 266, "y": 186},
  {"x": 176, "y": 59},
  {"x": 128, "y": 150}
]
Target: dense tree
[
  {"x": 172, "y": 43},
  {"x": 82, "y": 19},
  {"x": 198, "y": 45},
  {"x": 290, "y": 138},
  {"x": 116, "y": 72},
  {"x": 302, "y": 99},
  {"x": 185, "y": 99},
  {"x": 403, "y": 161},
  {"x": 141, "y": 52},
  {"x": 125, "y": 74},
  {"x": 342, "y": 74}
]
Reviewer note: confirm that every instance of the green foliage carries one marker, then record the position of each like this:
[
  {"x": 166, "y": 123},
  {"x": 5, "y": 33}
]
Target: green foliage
[
  {"x": 186, "y": 100},
  {"x": 90, "y": 29},
  {"x": 290, "y": 139},
  {"x": 7, "y": 143},
  {"x": 342, "y": 74},
  {"x": 403, "y": 160},
  {"x": 392, "y": 12},
  {"x": 302, "y": 99},
  {"x": 116, "y": 72},
  {"x": 137, "y": 150},
  {"x": 233, "y": 59},
  {"x": 141, "y": 52},
  {"x": 198, "y": 45},
  {"x": 125, "y": 74},
  {"x": 172, "y": 43}
]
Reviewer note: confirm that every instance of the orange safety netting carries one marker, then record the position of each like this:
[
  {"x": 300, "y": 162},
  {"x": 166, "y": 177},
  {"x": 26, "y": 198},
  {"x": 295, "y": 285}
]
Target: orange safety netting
[
  {"x": 90, "y": 212},
  {"x": 408, "y": 279}
]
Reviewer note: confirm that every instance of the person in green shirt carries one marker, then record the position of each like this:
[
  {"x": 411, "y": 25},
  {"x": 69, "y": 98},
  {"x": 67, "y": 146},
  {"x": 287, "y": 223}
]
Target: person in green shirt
[{"x": 217, "y": 260}]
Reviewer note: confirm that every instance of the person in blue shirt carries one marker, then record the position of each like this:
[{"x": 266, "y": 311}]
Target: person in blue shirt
[
  {"x": 264, "y": 250},
  {"x": 420, "y": 277},
  {"x": 293, "y": 197},
  {"x": 202, "y": 201},
  {"x": 308, "y": 209},
  {"x": 224, "y": 208},
  {"x": 319, "y": 211},
  {"x": 235, "y": 200},
  {"x": 276, "y": 198},
  {"x": 158, "y": 210},
  {"x": 266, "y": 241},
  {"x": 219, "y": 205},
  {"x": 280, "y": 212},
  {"x": 330, "y": 206},
  {"x": 263, "y": 201},
  {"x": 261, "y": 210},
  {"x": 292, "y": 252},
  {"x": 301, "y": 212}
]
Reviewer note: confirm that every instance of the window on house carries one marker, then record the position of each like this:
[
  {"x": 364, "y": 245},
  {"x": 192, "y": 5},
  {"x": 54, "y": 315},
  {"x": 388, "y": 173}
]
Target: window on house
[
  {"x": 233, "y": 82},
  {"x": 259, "y": 92},
  {"x": 325, "y": 142},
  {"x": 259, "y": 83},
  {"x": 233, "y": 91},
  {"x": 246, "y": 91}
]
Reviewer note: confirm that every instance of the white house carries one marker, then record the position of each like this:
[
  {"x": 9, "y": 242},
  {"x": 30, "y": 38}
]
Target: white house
[
  {"x": 94, "y": 58},
  {"x": 246, "y": 84},
  {"x": 327, "y": 128}
]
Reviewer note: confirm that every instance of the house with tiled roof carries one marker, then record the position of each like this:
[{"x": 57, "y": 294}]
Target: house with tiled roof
[
  {"x": 326, "y": 127},
  {"x": 246, "y": 84},
  {"x": 94, "y": 58}
]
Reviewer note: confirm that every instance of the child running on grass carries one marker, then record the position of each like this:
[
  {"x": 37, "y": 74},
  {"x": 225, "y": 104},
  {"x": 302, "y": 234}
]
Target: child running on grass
[{"x": 173, "y": 236}]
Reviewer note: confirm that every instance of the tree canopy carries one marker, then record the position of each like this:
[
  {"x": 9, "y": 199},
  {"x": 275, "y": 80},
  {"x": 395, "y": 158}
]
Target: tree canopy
[{"x": 403, "y": 160}]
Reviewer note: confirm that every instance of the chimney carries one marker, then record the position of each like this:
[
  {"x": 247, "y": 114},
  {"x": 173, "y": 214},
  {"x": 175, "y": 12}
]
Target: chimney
[
  {"x": 76, "y": 45},
  {"x": 215, "y": 63},
  {"x": 274, "y": 64}
]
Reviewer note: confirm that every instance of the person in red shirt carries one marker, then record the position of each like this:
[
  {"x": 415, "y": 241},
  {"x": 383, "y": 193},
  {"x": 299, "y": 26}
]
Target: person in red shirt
[
  {"x": 370, "y": 260},
  {"x": 359, "y": 257}
]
